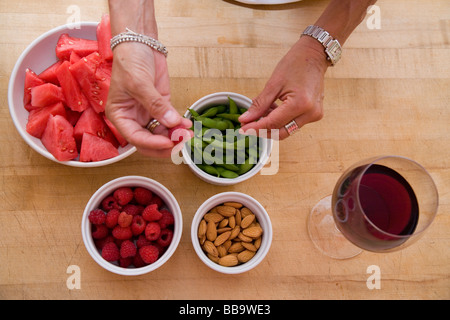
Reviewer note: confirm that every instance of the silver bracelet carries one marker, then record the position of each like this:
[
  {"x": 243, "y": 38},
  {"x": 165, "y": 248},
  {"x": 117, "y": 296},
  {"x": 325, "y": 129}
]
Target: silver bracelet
[{"x": 131, "y": 36}]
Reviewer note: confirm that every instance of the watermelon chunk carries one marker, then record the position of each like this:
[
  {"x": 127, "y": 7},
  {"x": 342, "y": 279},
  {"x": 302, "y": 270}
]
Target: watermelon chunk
[
  {"x": 58, "y": 139},
  {"x": 49, "y": 74},
  {"x": 46, "y": 94},
  {"x": 93, "y": 79},
  {"x": 38, "y": 118},
  {"x": 75, "y": 99},
  {"x": 120, "y": 139},
  {"x": 74, "y": 57},
  {"x": 67, "y": 44},
  {"x": 31, "y": 80},
  {"x": 104, "y": 38},
  {"x": 91, "y": 122},
  {"x": 94, "y": 148}
]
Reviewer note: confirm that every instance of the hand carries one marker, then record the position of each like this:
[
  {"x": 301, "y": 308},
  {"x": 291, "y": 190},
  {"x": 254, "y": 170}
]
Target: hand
[
  {"x": 298, "y": 81},
  {"x": 140, "y": 92}
]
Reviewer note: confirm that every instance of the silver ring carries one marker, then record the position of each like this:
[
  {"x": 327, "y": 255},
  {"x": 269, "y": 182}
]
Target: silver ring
[
  {"x": 152, "y": 125},
  {"x": 292, "y": 127}
]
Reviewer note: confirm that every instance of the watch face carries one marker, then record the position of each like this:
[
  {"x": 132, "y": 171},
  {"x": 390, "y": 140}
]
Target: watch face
[{"x": 334, "y": 51}]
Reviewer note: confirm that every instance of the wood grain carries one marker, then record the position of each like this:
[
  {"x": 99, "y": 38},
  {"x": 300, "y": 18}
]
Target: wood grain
[{"x": 388, "y": 95}]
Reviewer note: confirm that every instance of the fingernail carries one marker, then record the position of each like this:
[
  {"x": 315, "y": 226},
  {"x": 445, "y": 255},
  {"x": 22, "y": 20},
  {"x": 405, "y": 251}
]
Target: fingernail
[
  {"x": 171, "y": 117},
  {"x": 244, "y": 115}
]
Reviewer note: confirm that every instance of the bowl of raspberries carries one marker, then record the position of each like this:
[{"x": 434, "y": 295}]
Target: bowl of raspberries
[{"x": 132, "y": 225}]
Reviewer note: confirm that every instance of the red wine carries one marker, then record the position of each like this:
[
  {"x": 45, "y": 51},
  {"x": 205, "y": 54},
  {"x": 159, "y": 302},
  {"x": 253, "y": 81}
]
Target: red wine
[{"x": 387, "y": 210}]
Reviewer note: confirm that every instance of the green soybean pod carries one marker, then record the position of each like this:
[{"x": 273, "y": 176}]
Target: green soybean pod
[
  {"x": 209, "y": 169},
  {"x": 233, "y": 117},
  {"x": 229, "y": 166},
  {"x": 242, "y": 110},
  {"x": 210, "y": 112},
  {"x": 233, "y": 106},
  {"x": 245, "y": 167},
  {"x": 193, "y": 113},
  {"x": 229, "y": 174}
]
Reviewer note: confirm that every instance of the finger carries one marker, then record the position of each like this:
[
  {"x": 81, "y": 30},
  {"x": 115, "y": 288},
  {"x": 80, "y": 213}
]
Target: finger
[
  {"x": 141, "y": 138},
  {"x": 260, "y": 105},
  {"x": 158, "y": 106}
]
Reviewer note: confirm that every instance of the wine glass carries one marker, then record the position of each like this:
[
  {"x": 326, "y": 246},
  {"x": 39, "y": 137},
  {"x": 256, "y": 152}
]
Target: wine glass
[{"x": 380, "y": 204}]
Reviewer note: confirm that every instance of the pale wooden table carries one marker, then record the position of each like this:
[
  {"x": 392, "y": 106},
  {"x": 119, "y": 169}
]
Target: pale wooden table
[{"x": 388, "y": 95}]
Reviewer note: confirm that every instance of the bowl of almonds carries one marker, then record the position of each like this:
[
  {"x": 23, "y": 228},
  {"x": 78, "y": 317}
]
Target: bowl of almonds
[{"x": 231, "y": 232}]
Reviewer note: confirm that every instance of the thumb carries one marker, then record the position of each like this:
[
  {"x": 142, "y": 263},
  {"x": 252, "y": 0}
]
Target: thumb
[
  {"x": 260, "y": 105},
  {"x": 159, "y": 108}
]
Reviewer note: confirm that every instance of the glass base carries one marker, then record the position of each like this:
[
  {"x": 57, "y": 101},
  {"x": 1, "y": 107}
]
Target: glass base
[{"x": 326, "y": 236}]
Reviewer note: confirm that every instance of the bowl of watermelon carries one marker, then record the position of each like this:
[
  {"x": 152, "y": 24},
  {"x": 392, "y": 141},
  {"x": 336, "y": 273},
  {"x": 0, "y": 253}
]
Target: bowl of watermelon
[{"x": 57, "y": 95}]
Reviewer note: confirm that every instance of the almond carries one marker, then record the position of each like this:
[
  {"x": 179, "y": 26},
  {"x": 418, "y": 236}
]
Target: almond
[
  {"x": 257, "y": 243},
  {"x": 232, "y": 221},
  {"x": 244, "y": 237},
  {"x": 226, "y": 211},
  {"x": 210, "y": 248},
  {"x": 202, "y": 228},
  {"x": 234, "y": 233},
  {"x": 245, "y": 212},
  {"x": 245, "y": 256},
  {"x": 222, "y": 251},
  {"x": 248, "y": 220},
  {"x": 236, "y": 205},
  {"x": 249, "y": 246},
  {"x": 211, "y": 231},
  {"x": 223, "y": 224},
  {"x": 213, "y": 216},
  {"x": 252, "y": 232},
  {"x": 228, "y": 260},
  {"x": 222, "y": 238},
  {"x": 236, "y": 247}
]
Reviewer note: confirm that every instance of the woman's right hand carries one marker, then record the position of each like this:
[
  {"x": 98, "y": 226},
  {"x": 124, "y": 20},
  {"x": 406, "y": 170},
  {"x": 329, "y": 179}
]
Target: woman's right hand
[{"x": 140, "y": 92}]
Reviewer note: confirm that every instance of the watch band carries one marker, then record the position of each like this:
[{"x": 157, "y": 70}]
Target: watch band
[{"x": 332, "y": 47}]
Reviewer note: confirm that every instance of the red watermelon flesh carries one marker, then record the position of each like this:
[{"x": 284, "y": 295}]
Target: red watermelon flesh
[
  {"x": 46, "y": 94},
  {"x": 31, "y": 80},
  {"x": 67, "y": 44},
  {"x": 75, "y": 99},
  {"x": 49, "y": 74},
  {"x": 104, "y": 38},
  {"x": 38, "y": 118},
  {"x": 94, "y": 81},
  {"x": 58, "y": 139},
  {"x": 120, "y": 139},
  {"x": 91, "y": 122},
  {"x": 94, "y": 148}
]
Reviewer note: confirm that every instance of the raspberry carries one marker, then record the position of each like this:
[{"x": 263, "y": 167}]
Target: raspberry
[
  {"x": 123, "y": 195},
  {"x": 127, "y": 249},
  {"x": 151, "y": 213},
  {"x": 179, "y": 131},
  {"x": 100, "y": 243},
  {"x": 166, "y": 220},
  {"x": 124, "y": 219},
  {"x": 110, "y": 203},
  {"x": 112, "y": 218},
  {"x": 149, "y": 254},
  {"x": 110, "y": 252},
  {"x": 122, "y": 233},
  {"x": 99, "y": 231},
  {"x": 165, "y": 237},
  {"x": 125, "y": 262},
  {"x": 97, "y": 216},
  {"x": 157, "y": 200},
  {"x": 133, "y": 209},
  {"x": 143, "y": 196},
  {"x": 138, "y": 262},
  {"x": 152, "y": 231},
  {"x": 138, "y": 225},
  {"x": 142, "y": 241}
]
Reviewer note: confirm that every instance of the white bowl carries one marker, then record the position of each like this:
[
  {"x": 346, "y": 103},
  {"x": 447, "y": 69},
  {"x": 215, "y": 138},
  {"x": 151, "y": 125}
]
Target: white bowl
[
  {"x": 38, "y": 56},
  {"x": 218, "y": 99},
  {"x": 132, "y": 181},
  {"x": 261, "y": 215}
]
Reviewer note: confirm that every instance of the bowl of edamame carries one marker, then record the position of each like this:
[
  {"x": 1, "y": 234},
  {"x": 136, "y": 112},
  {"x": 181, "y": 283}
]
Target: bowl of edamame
[{"x": 218, "y": 153}]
